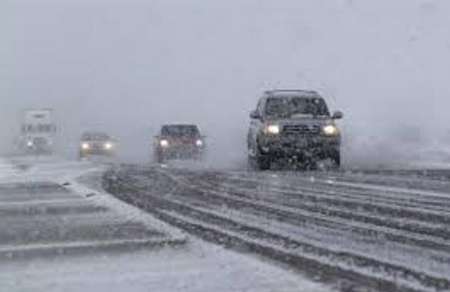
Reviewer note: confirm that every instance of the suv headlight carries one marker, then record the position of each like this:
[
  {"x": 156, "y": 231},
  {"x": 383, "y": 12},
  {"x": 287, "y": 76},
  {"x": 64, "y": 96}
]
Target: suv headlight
[
  {"x": 330, "y": 130},
  {"x": 108, "y": 146},
  {"x": 85, "y": 146},
  {"x": 272, "y": 129},
  {"x": 164, "y": 143}
]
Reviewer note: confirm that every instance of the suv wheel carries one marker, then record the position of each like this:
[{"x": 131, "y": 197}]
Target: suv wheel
[
  {"x": 263, "y": 162},
  {"x": 250, "y": 163},
  {"x": 159, "y": 158},
  {"x": 258, "y": 163},
  {"x": 336, "y": 158}
]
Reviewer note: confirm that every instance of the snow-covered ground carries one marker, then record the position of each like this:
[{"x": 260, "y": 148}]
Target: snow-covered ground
[
  {"x": 386, "y": 230},
  {"x": 197, "y": 267},
  {"x": 31, "y": 188}
]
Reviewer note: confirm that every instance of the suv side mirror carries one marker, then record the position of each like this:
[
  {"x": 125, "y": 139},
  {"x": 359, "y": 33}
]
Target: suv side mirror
[
  {"x": 255, "y": 115},
  {"x": 337, "y": 115}
]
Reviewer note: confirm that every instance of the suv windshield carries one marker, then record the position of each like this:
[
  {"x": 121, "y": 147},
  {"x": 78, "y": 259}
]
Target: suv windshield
[
  {"x": 292, "y": 107},
  {"x": 180, "y": 131},
  {"x": 95, "y": 137}
]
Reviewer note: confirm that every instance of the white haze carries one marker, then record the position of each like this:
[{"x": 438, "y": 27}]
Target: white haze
[{"x": 128, "y": 66}]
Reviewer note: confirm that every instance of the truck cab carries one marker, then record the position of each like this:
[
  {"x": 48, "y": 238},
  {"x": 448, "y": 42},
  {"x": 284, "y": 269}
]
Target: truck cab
[{"x": 37, "y": 132}]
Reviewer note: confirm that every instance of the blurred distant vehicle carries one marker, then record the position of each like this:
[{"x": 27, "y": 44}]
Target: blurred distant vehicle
[
  {"x": 97, "y": 143},
  {"x": 38, "y": 132},
  {"x": 294, "y": 125},
  {"x": 181, "y": 141}
]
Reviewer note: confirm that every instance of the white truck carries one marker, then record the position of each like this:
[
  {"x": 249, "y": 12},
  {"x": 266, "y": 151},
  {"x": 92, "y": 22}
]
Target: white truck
[{"x": 37, "y": 132}]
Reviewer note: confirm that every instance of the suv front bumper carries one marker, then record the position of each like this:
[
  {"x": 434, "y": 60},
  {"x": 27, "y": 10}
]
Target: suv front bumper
[
  {"x": 290, "y": 146},
  {"x": 97, "y": 151},
  {"x": 181, "y": 152}
]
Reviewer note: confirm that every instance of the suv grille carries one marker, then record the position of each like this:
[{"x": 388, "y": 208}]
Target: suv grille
[
  {"x": 301, "y": 129},
  {"x": 40, "y": 141}
]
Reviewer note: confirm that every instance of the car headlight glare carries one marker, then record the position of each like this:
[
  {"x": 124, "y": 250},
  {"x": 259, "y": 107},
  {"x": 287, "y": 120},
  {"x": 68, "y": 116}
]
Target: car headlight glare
[
  {"x": 30, "y": 143},
  {"x": 108, "y": 146},
  {"x": 164, "y": 143},
  {"x": 199, "y": 143},
  {"x": 85, "y": 146},
  {"x": 330, "y": 130},
  {"x": 273, "y": 129}
]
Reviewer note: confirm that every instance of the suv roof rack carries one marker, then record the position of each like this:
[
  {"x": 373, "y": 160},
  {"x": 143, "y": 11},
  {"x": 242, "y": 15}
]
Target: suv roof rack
[{"x": 289, "y": 90}]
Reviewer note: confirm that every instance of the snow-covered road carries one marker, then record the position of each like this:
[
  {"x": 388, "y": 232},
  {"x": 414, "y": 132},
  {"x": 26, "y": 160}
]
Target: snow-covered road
[
  {"x": 379, "y": 231},
  {"x": 60, "y": 232}
]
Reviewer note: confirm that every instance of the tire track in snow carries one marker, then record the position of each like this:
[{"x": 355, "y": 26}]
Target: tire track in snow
[{"x": 139, "y": 195}]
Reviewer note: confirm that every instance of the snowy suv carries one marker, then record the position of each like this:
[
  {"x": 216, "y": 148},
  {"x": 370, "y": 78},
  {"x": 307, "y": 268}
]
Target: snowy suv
[
  {"x": 294, "y": 125},
  {"x": 179, "y": 141},
  {"x": 97, "y": 143}
]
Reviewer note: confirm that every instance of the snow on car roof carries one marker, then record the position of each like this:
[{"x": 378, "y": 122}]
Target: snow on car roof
[
  {"x": 285, "y": 92},
  {"x": 180, "y": 125},
  {"x": 95, "y": 135}
]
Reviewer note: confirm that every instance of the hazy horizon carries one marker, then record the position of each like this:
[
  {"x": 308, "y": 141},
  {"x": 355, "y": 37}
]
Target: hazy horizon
[{"x": 127, "y": 67}]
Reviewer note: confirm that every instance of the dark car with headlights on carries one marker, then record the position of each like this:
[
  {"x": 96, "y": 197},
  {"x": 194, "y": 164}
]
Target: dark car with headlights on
[
  {"x": 97, "y": 143},
  {"x": 179, "y": 141},
  {"x": 294, "y": 125}
]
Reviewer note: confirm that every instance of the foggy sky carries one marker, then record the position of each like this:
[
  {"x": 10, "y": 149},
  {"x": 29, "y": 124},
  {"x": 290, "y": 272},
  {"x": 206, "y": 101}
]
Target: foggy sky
[{"x": 129, "y": 66}]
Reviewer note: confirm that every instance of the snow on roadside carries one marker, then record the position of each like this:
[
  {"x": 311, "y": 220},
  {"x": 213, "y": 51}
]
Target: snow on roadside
[
  {"x": 69, "y": 173},
  {"x": 101, "y": 198},
  {"x": 195, "y": 267},
  {"x": 199, "y": 268},
  {"x": 8, "y": 171}
]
